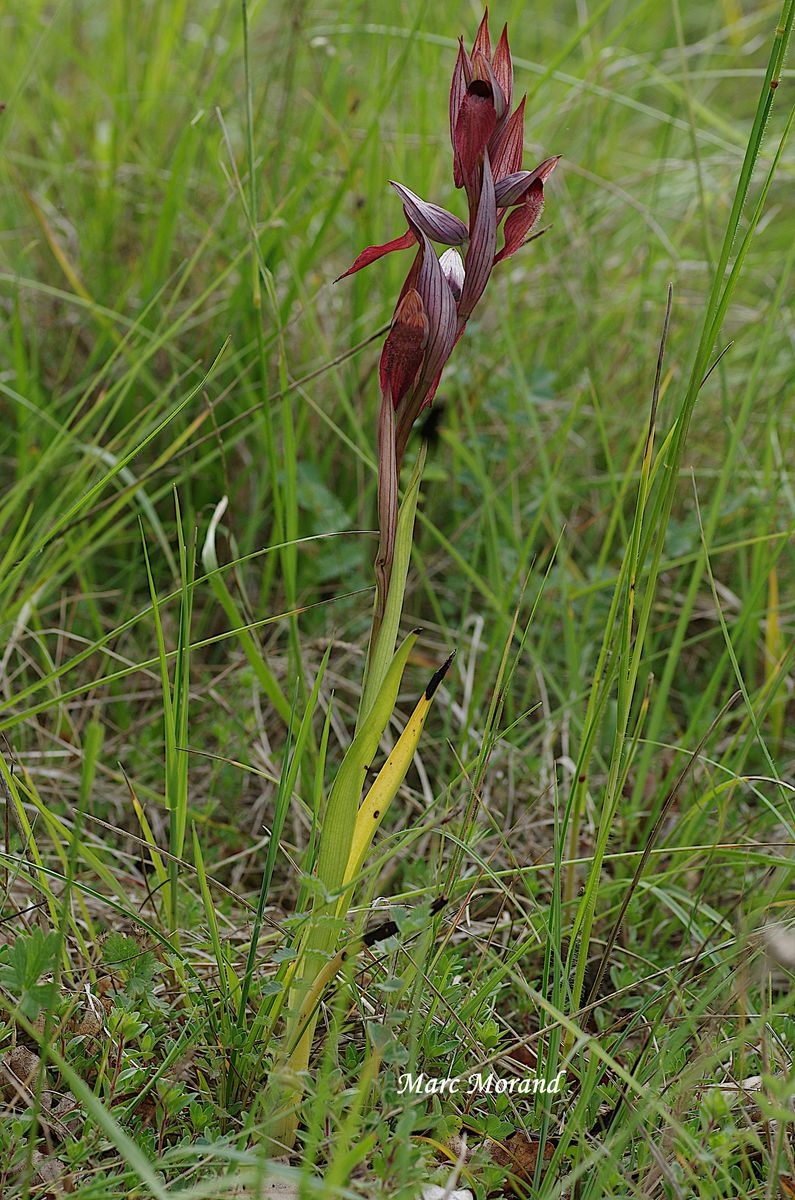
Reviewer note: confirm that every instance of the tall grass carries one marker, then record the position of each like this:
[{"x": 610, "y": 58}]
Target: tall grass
[{"x": 601, "y": 807}]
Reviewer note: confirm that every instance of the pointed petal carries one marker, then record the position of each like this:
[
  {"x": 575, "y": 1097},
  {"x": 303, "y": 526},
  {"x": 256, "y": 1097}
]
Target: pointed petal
[
  {"x": 437, "y": 223},
  {"x": 503, "y": 66},
  {"x": 545, "y": 168},
  {"x": 519, "y": 223},
  {"x": 374, "y": 252},
  {"x": 452, "y": 266},
  {"x": 480, "y": 256},
  {"x": 440, "y": 307},
  {"x": 507, "y": 146},
  {"x": 482, "y": 38},
  {"x": 404, "y": 348},
  {"x": 513, "y": 188},
  {"x": 462, "y": 77},
  {"x": 475, "y": 125}
]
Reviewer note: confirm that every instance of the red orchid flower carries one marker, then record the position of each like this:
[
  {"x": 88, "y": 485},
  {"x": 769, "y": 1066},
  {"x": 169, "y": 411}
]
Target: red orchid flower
[{"x": 440, "y": 294}]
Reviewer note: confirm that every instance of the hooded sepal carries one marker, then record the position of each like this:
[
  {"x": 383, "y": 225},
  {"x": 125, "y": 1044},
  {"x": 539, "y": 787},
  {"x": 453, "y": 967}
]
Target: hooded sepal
[
  {"x": 440, "y": 307},
  {"x": 482, "y": 40},
  {"x": 484, "y": 71},
  {"x": 439, "y": 304},
  {"x": 435, "y": 222},
  {"x": 514, "y": 188},
  {"x": 503, "y": 66},
  {"x": 480, "y": 255},
  {"x": 462, "y": 77}
]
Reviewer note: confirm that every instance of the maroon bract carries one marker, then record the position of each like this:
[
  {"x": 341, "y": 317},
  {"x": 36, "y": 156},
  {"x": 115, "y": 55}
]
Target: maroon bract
[
  {"x": 439, "y": 295},
  {"x": 404, "y": 348}
]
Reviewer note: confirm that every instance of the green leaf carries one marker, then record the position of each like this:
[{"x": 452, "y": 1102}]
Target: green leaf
[
  {"x": 138, "y": 968},
  {"x": 343, "y": 803},
  {"x": 142, "y": 975},
  {"x": 31, "y": 956},
  {"x": 118, "y": 950}
]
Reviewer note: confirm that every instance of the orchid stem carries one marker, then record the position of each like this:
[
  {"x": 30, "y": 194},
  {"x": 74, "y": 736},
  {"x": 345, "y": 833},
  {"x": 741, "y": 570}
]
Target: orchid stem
[{"x": 383, "y": 633}]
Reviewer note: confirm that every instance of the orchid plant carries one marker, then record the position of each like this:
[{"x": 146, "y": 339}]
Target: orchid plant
[
  {"x": 440, "y": 294},
  {"x": 435, "y": 303}
]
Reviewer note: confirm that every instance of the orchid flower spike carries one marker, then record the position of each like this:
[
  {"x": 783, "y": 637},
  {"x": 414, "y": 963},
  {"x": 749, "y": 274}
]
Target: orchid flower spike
[{"x": 439, "y": 295}]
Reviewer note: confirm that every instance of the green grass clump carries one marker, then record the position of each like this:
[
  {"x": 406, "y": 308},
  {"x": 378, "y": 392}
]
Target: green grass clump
[{"x": 587, "y": 868}]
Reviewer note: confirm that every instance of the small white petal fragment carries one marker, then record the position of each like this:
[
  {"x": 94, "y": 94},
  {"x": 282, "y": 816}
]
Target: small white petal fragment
[{"x": 452, "y": 266}]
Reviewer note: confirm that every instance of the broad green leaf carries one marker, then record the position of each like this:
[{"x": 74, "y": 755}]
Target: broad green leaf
[
  {"x": 390, "y": 777},
  {"x": 343, "y": 803}
]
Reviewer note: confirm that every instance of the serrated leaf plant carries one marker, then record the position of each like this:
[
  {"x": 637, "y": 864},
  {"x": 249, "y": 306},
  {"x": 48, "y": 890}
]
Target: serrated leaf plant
[
  {"x": 22, "y": 966},
  {"x": 137, "y": 968}
]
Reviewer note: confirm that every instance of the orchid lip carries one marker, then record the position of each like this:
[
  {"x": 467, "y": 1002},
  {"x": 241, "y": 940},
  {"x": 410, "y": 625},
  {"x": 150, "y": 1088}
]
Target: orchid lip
[
  {"x": 477, "y": 117},
  {"x": 521, "y": 220}
]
